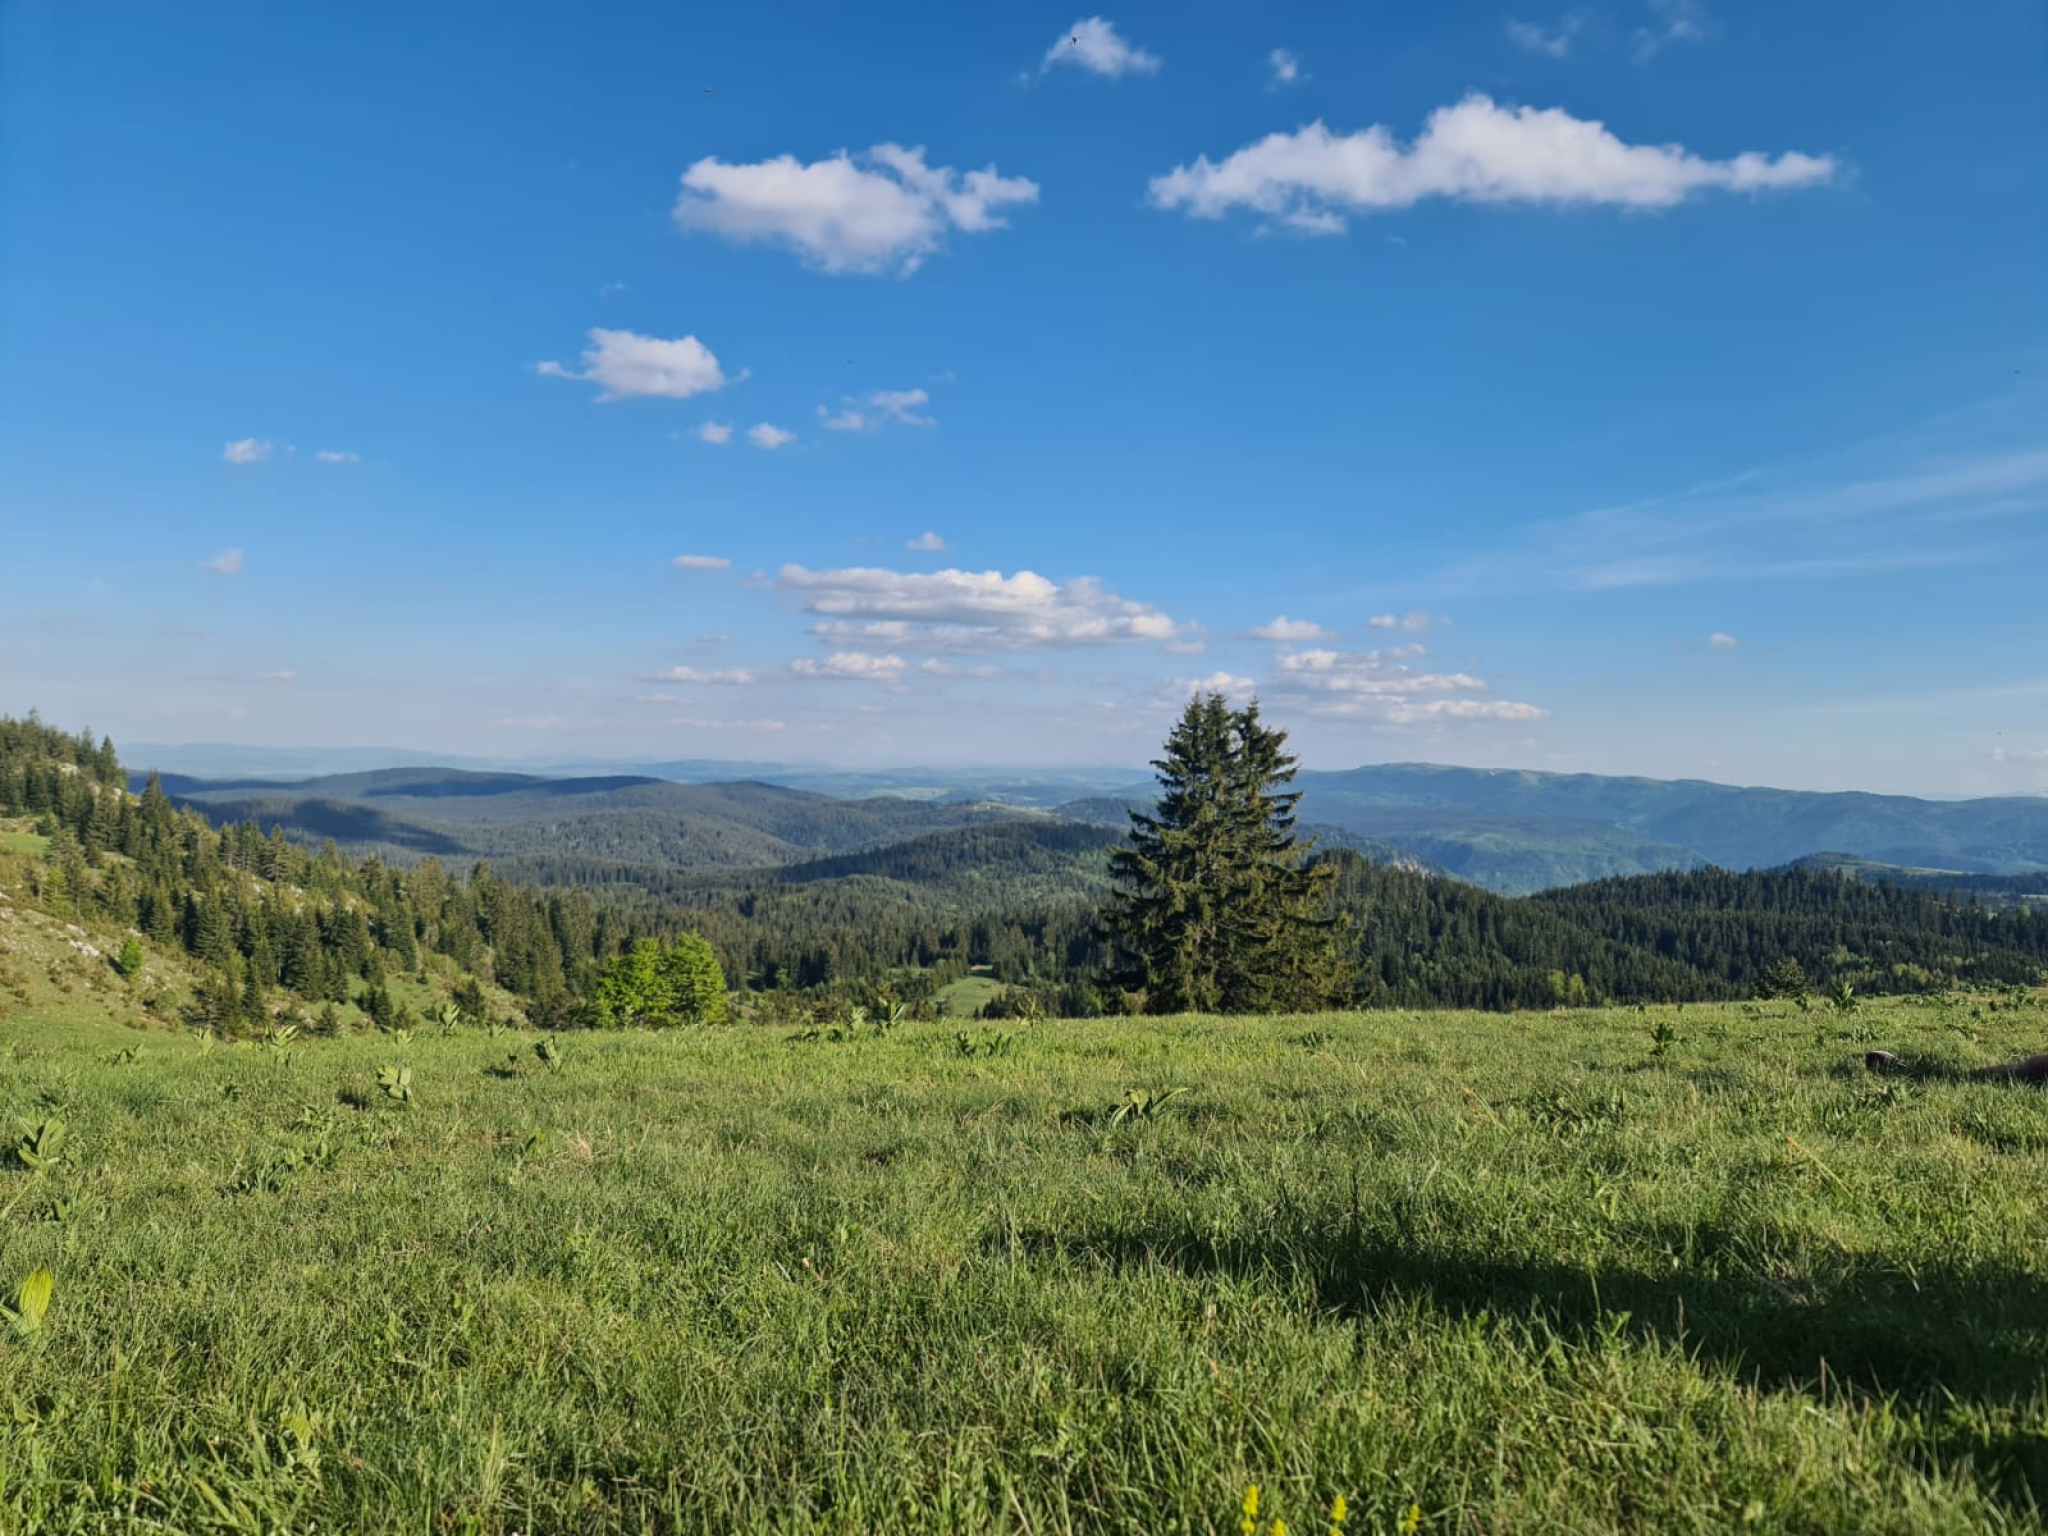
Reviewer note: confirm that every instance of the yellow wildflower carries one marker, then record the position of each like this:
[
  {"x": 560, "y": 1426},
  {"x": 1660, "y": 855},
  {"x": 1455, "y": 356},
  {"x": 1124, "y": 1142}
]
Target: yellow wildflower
[{"x": 1250, "y": 1522}]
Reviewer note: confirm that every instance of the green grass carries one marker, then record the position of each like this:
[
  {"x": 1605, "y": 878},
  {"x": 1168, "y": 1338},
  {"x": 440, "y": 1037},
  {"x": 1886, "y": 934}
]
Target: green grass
[
  {"x": 970, "y": 994},
  {"x": 32, "y": 844},
  {"x": 1526, "y": 1274}
]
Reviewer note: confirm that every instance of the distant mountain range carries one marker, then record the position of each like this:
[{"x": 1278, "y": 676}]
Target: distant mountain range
[{"x": 1510, "y": 831}]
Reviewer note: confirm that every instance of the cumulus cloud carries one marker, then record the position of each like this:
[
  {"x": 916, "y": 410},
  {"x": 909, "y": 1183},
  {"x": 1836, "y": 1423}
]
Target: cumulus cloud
[
  {"x": 1094, "y": 44},
  {"x": 1721, "y": 640},
  {"x": 1674, "y": 22},
  {"x": 700, "y": 562},
  {"x": 227, "y": 563},
  {"x": 1286, "y": 67},
  {"x": 626, "y": 365},
  {"x": 1417, "y": 621},
  {"x": 929, "y": 543},
  {"x": 881, "y": 211},
  {"x": 728, "y": 677},
  {"x": 866, "y": 413},
  {"x": 1389, "y": 687},
  {"x": 1554, "y": 43},
  {"x": 939, "y": 668},
  {"x": 697, "y": 723},
  {"x": 954, "y": 610},
  {"x": 765, "y": 434},
  {"x": 1476, "y": 151},
  {"x": 1218, "y": 682},
  {"x": 852, "y": 666},
  {"x": 715, "y": 432},
  {"x": 246, "y": 450},
  {"x": 1291, "y": 631}
]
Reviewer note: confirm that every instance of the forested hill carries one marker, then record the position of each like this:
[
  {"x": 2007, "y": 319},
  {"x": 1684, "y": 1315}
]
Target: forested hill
[
  {"x": 262, "y": 928},
  {"x": 403, "y": 814},
  {"x": 1728, "y": 928}
]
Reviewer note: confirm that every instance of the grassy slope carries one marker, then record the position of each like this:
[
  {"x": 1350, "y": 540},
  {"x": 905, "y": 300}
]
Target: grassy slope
[{"x": 1521, "y": 1273}]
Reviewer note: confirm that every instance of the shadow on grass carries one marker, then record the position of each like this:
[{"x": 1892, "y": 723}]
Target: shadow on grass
[{"x": 1967, "y": 1349}]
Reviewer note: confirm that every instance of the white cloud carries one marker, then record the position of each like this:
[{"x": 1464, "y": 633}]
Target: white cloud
[
  {"x": 929, "y": 543},
  {"x": 767, "y": 435},
  {"x": 887, "y": 210},
  {"x": 1093, "y": 44},
  {"x": 246, "y": 450},
  {"x": 954, "y": 610},
  {"x": 1475, "y": 151},
  {"x": 1555, "y": 43},
  {"x": 286, "y": 677},
  {"x": 869, "y": 412},
  {"x": 626, "y": 365},
  {"x": 1382, "y": 685},
  {"x": 1285, "y": 65},
  {"x": 1720, "y": 640},
  {"x": 2019, "y": 755},
  {"x": 1219, "y": 682},
  {"x": 729, "y": 677},
  {"x": 939, "y": 668},
  {"x": 855, "y": 666},
  {"x": 654, "y": 698},
  {"x": 717, "y": 432},
  {"x": 227, "y": 563},
  {"x": 698, "y": 724},
  {"x": 701, "y": 562},
  {"x": 1417, "y": 621},
  {"x": 1291, "y": 631},
  {"x": 1677, "y": 21},
  {"x": 337, "y": 456}
]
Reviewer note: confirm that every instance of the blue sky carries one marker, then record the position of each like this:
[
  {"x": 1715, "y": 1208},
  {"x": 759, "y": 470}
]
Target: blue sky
[{"x": 1651, "y": 387}]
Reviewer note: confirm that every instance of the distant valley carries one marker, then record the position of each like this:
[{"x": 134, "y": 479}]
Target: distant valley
[{"x": 1513, "y": 832}]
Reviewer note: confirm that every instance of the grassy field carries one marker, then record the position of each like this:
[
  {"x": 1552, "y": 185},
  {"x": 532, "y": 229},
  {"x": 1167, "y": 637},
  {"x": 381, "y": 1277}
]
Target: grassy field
[{"x": 1678, "y": 1271}]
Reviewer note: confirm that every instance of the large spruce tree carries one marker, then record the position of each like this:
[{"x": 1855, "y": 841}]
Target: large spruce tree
[{"x": 1217, "y": 908}]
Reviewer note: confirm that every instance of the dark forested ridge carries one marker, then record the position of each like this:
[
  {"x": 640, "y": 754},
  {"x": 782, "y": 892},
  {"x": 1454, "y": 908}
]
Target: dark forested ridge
[{"x": 868, "y": 901}]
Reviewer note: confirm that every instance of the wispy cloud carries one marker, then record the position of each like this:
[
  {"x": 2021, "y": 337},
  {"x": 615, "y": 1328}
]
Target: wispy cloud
[
  {"x": 625, "y": 366},
  {"x": 701, "y": 562},
  {"x": 283, "y": 678},
  {"x": 227, "y": 563},
  {"x": 1476, "y": 151},
  {"x": 1721, "y": 640},
  {"x": 868, "y": 413},
  {"x": 885, "y": 210},
  {"x": 1839, "y": 518},
  {"x": 1093, "y": 44},
  {"x": 246, "y": 450},
  {"x": 532, "y": 722},
  {"x": 953, "y": 610},
  {"x": 1285, "y": 67},
  {"x": 698, "y": 723},
  {"x": 337, "y": 456},
  {"x": 851, "y": 666},
  {"x": 1291, "y": 631},
  {"x": 1417, "y": 621},
  {"x": 717, "y": 433},
  {"x": 1672, "y": 23},
  {"x": 1552, "y": 42},
  {"x": 927, "y": 543},
  {"x": 724, "y": 677},
  {"x": 1391, "y": 687}
]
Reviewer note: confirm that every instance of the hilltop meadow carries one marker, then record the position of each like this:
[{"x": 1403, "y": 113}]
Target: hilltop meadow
[{"x": 1676, "y": 1269}]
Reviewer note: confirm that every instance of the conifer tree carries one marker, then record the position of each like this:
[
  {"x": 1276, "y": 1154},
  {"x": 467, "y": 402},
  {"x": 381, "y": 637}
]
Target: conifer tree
[{"x": 1217, "y": 908}]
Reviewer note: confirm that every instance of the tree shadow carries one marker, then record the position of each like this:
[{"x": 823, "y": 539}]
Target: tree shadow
[{"x": 1966, "y": 1348}]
